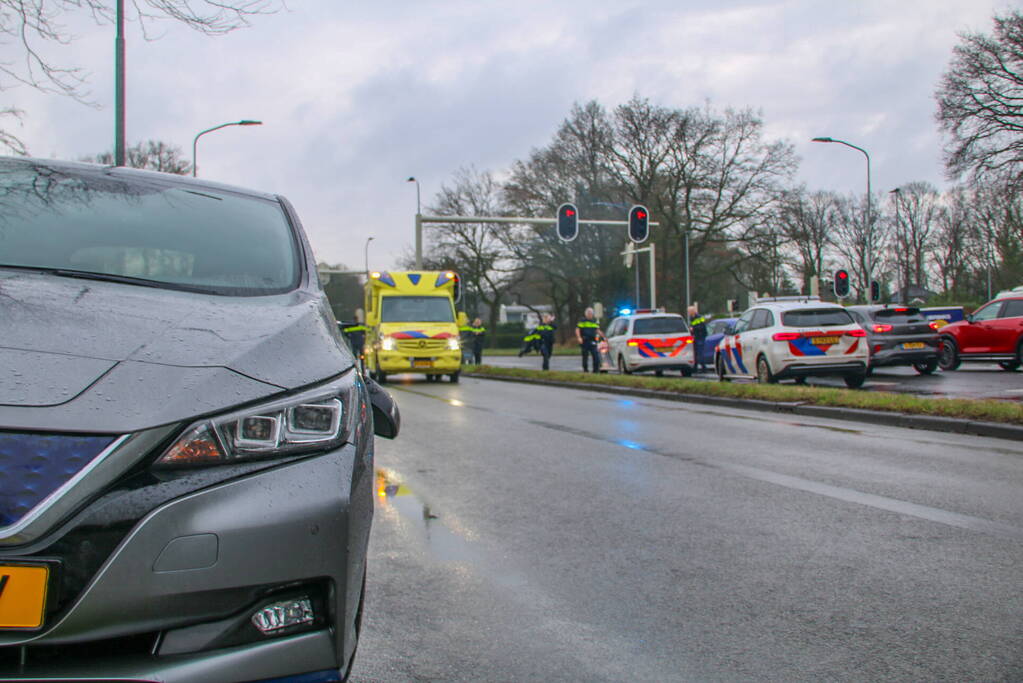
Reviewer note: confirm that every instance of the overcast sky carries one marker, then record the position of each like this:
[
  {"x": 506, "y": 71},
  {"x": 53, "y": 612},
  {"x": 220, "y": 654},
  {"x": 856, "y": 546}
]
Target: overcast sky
[{"x": 356, "y": 97}]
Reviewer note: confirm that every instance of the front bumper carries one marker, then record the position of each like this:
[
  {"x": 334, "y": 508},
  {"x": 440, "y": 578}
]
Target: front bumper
[
  {"x": 168, "y": 603},
  {"x": 429, "y": 363}
]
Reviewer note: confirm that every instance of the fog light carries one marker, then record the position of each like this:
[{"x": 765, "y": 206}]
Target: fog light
[{"x": 281, "y": 615}]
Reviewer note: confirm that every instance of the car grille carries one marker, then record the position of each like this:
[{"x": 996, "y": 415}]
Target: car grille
[
  {"x": 417, "y": 345},
  {"x": 36, "y": 465}
]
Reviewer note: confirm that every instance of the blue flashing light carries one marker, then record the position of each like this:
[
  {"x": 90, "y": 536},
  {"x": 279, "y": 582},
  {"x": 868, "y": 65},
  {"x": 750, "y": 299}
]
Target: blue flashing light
[{"x": 624, "y": 311}]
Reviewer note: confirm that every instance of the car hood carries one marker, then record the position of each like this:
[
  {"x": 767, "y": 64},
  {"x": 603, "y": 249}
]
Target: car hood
[{"x": 100, "y": 356}]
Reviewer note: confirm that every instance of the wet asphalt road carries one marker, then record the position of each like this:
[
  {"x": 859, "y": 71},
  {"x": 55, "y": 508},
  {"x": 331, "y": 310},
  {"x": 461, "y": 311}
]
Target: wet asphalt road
[
  {"x": 527, "y": 534},
  {"x": 971, "y": 380}
]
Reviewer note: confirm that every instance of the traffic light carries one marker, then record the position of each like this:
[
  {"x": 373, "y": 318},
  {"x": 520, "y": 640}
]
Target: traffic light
[
  {"x": 568, "y": 222},
  {"x": 841, "y": 284},
  {"x": 639, "y": 223},
  {"x": 875, "y": 291}
]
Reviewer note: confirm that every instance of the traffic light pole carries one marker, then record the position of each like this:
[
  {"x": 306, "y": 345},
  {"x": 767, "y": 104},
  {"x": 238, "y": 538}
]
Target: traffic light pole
[
  {"x": 653, "y": 271},
  {"x": 422, "y": 220}
]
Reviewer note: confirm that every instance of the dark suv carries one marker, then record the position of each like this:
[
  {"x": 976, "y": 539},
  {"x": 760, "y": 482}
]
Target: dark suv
[
  {"x": 994, "y": 332},
  {"x": 899, "y": 335}
]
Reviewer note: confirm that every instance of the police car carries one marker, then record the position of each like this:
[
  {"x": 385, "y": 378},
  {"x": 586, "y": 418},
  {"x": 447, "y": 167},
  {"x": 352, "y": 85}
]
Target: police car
[
  {"x": 793, "y": 338},
  {"x": 650, "y": 339}
]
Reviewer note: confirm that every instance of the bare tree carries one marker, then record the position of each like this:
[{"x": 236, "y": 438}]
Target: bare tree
[
  {"x": 806, "y": 221},
  {"x": 152, "y": 155},
  {"x": 478, "y": 251},
  {"x": 956, "y": 232},
  {"x": 32, "y": 27},
  {"x": 912, "y": 232},
  {"x": 980, "y": 102}
]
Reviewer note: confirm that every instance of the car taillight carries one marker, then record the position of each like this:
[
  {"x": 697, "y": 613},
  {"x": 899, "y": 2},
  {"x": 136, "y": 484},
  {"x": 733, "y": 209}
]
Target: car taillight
[
  {"x": 936, "y": 324},
  {"x": 786, "y": 336},
  {"x": 882, "y": 327},
  {"x": 858, "y": 332}
]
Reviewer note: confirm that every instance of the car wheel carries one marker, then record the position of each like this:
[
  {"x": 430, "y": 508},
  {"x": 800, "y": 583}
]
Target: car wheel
[
  {"x": 855, "y": 381},
  {"x": 621, "y": 367},
  {"x": 926, "y": 367},
  {"x": 381, "y": 377},
  {"x": 764, "y": 374},
  {"x": 948, "y": 354},
  {"x": 870, "y": 370},
  {"x": 801, "y": 380},
  {"x": 659, "y": 373},
  {"x": 719, "y": 368},
  {"x": 687, "y": 372},
  {"x": 453, "y": 377},
  {"x": 1009, "y": 365}
]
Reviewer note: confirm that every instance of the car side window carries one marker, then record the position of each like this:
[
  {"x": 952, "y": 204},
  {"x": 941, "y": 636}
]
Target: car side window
[
  {"x": 758, "y": 319},
  {"x": 989, "y": 312},
  {"x": 743, "y": 323},
  {"x": 1013, "y": 309},
  {"x": 858, "y": 317}
]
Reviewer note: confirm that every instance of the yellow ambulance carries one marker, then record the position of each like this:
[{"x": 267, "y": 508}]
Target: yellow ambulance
[{"x": 411, "y": 321}]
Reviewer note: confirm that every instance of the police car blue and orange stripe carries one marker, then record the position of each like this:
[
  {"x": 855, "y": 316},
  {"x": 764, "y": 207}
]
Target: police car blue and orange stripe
[{"x": 661, "y": 348}]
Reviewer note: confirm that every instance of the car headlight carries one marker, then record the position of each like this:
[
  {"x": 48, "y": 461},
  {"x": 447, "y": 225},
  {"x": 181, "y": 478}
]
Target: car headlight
[
  {"x": 453, "y": 344},
  {"x": 314, "y": 420},
  {"x": 387, "y": 344}
]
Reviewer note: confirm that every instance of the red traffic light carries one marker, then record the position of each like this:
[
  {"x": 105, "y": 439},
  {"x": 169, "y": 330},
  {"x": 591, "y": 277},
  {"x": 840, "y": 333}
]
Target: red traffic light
[
  {"x": 569, "y": 212},
  {"x": 842, "y": 275},
  {"x": 639, "y": 228},
  {"x": 568, "y": 222},
  {"x": 841, "y": 284}
]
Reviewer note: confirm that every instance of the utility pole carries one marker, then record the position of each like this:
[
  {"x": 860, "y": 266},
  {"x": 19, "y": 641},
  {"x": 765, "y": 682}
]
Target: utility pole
[{"x": 119, "y": 135}]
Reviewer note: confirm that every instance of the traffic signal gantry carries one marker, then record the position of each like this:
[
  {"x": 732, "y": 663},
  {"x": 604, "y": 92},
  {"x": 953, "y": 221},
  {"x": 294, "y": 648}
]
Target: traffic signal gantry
[{"x": 567, "y": 223}]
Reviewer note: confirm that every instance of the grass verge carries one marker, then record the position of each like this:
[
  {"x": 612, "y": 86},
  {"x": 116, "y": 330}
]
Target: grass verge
[
  {"x": 558, "y": 351},
  {"x": 965, "y": 409}
]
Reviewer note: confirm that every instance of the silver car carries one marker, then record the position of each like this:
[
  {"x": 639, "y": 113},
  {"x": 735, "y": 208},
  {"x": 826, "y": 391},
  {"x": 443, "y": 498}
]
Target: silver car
[{"x": 186, "y": 446}]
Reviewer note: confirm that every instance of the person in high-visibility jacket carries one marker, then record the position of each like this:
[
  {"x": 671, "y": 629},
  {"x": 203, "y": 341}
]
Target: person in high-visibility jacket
[
  {"x": 465, "y": 339},
  {"x": 587, "y": 332},
  {"x": 531, "y": 342},
  {"x": 355, "y": 333},
  {"x": 546, "y": 331},
  {"x": 478, "y": 334},
  {"x": 698, "y": 328}
]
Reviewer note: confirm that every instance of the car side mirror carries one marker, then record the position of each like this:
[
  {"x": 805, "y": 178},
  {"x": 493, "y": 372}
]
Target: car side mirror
[
  {"x": 386, "y": 418},
  {"x": 969, "y": 318}
]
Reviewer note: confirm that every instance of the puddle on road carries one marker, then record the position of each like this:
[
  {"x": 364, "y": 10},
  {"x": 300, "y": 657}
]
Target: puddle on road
[{"x": 396, "y": 499}]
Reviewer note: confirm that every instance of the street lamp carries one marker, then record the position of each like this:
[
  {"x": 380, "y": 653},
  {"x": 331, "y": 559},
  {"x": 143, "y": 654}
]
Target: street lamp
[
  {"x": 195, "y": 142},
  {"x": 866, "y": 222},
  {"x": 419, "y": 225},
  {"x": 897, "y": 194},
  {"x": 368, "y": 240}
]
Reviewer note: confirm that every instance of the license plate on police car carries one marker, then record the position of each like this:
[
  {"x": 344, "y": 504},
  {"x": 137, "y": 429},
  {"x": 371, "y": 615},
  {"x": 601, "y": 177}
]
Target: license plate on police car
[
  {"x": 23, "y": 595},
  {"x": 824, "y": 340},
  {"x": 913, "y": 345},
  {"x": 418, "y": 363}
]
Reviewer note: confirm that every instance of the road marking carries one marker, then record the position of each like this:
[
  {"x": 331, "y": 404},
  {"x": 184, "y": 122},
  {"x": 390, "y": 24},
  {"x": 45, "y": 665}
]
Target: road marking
[{"x": 848, "y": 495}]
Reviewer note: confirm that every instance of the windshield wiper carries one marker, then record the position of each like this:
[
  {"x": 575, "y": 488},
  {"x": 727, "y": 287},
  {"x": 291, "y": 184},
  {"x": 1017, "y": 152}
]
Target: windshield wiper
[{"x": 111, "y": 277}]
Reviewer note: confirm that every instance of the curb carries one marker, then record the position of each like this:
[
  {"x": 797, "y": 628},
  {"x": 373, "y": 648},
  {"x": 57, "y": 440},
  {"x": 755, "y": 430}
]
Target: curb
[{"x": 932, "y": 423}]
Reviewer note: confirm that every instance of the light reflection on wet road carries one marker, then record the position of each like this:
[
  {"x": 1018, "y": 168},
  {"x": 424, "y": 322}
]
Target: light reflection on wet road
[{"x": 557, "y": 535}]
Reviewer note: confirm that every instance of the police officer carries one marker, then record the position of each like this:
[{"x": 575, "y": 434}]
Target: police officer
[
  {"x": 531, "y": 342},
  {"x": 698, "y": 327},
  {"x": 478, "y": 334},
  {"x": 587, "y": 332},
  {"x": 546, "y": 331},
  {"x": 355, "y": 333}
]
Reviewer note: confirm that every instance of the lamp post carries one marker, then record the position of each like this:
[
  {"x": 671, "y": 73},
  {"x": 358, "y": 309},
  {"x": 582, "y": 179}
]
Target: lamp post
[
  {"x": 867, "y": 257},
  {"x": 419, "y": 225},
  {"x": 119, "y": 134},
  {"x": 368, "y": 240},
  {"x": 897, "y": 194},
  {"x": 195, "y": 142}
]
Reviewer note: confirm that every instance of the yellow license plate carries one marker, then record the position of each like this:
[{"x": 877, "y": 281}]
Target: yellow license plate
[
  {"x": 824, "y": 340},
  {"x": 422, "y": 363},
  {"x": 23, "y": 595},
  {"x": 913, "y": 345}
]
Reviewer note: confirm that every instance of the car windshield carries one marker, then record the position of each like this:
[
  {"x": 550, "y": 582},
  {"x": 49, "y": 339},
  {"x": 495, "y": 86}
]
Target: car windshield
[
  {"x": 87, "y": 221},
  {"x": 816, "y": 317},
  {"x": 416, "y": 309},
  {"x": 663, "y": 325}
]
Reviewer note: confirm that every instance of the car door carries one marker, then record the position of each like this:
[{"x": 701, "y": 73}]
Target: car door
[
  {"x": 733, "y": 346},
  {"x": 976, "y": 335},
  {"x": 616, "y": 338},
  {"x": 753, "y": 339},
  {"x": 1006, "y": 328}
]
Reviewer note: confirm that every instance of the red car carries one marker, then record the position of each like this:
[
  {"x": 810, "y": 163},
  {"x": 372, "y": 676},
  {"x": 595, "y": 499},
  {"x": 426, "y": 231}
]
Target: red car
[{"x": 992, "y": 333}]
